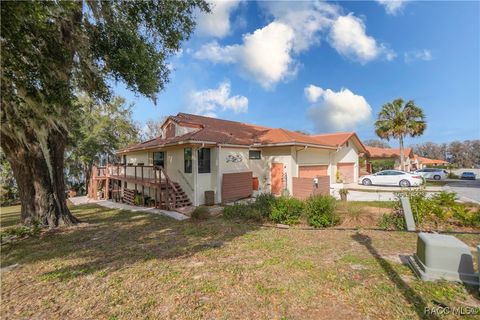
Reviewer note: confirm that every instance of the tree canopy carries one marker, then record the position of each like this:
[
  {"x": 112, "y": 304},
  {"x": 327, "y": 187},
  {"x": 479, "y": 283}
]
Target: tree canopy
[
  {"x": 96, "y": 132},
  {"x": 51, "y": 51},
  {"x": 397, "y": 120}
]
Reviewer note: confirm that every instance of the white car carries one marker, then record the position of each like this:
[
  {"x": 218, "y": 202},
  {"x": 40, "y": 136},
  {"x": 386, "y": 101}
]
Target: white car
[
  {"x": 432, "y": 173},
  {"x": 392, "y": 178}
]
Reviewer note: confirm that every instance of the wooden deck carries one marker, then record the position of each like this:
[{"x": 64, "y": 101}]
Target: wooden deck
[{"x": 106, "y": 183}]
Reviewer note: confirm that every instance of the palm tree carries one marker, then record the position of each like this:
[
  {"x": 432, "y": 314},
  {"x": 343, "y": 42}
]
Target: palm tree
[{"x": 398, "y": 120}]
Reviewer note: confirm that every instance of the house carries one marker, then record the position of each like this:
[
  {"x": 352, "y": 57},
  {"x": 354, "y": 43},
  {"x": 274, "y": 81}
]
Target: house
[
  {"x": 379, "y": 154},
  {"x": 412, "y": 161},
  {"x": 426, "y": 162},
  {"x": 232, "y": 159}
]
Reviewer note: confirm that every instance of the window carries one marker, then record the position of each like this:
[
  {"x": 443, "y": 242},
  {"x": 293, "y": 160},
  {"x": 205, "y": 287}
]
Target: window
[
  {"x": 159, "y": 159},
  {"x": 395, "y": 173},
  {"x": 254, "y": 154},
  {"x": 204, "y": 160},
  {"x": 124, "y": 159},
  {"x": 187, "y": 160}
]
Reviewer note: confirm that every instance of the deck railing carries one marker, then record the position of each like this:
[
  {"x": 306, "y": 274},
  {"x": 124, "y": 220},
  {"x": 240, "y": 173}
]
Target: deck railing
[{"x": 152, "y": 176}]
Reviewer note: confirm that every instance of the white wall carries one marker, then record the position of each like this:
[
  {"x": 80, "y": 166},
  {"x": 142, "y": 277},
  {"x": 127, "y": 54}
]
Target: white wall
[
  {"x": 314, "y": 156},
  {"x": 174, "y": 165},
  {"x": 283, "y": 155},
  {"x": 347, "y": 154}
]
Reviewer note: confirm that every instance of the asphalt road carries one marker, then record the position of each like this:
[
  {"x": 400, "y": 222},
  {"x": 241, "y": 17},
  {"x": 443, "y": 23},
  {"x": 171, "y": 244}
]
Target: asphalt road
[{"x": 467, "y": 190}]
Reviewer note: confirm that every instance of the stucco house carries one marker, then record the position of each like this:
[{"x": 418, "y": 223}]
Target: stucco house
[
  {"x": 427, "y": 162},
  {"x": 375, "y": 153},
  {"x": 412, "y": 161},
  {"x": 235, "y": 159}
]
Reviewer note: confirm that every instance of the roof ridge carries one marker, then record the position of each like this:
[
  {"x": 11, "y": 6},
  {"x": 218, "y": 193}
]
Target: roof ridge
[
  {"x": 332, "y": 134},
  {"x": 224, "y": 120}
]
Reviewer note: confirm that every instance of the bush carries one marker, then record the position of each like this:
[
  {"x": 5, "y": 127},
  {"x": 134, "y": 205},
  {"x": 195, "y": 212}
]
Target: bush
[
  {"x": 465, "y": 216},
  {"x": 445, "y": 198},
  {"x": 286, "y": 210},
  {"x": 452, "y": 175},
  {"x": 242, "y": 211},
  {"x": 200, "y": 213},
  {"x": 320, "y": 211},
  {"x": 393, "y": 220},
  {"x": 20, "y": 232},
  {"x": 440, "y": 208},
  {"x": 264, "y": 204}
]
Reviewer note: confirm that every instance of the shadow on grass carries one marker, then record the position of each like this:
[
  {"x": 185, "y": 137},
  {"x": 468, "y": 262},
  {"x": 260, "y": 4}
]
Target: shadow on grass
[
  {"x": 110, "y": 240},
  {"x": 410, "y": 295}
]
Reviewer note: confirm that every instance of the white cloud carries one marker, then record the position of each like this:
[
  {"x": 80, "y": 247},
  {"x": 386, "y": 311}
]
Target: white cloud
[
  {"x": 208, "y": 102},
  {"x": 313, "y": 93},
  {"x": 348, "y": 36},
  {"x": 264, "y": 54},
  {"x": 217, "y": 22},
  {"x": 214, "y": 52},
  {"x": 306, "y": 18},
  {"x": 410, "y": 56},
  {"x": 393, "y": 7},
  {"x": 269, "y": 54},
  {"x": 341, "y": 110}
]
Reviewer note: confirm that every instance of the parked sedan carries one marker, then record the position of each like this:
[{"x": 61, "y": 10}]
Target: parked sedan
[
  {"x": 468, "y": 176},
  {"x": 432, "y": 173},
  {"x": 392, "y": 178}
]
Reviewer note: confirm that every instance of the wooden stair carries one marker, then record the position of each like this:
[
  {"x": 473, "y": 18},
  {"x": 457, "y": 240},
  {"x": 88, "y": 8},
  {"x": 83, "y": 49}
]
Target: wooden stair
[{"x": 181, "y": 198}]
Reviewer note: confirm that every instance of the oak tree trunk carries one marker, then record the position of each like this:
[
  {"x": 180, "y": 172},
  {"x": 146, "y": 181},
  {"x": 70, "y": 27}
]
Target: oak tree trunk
[{"x": 38, "y": 169}]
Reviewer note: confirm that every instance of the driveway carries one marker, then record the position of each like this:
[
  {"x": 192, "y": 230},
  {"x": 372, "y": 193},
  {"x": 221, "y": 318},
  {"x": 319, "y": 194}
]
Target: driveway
[{"x": 467, "y": 190}]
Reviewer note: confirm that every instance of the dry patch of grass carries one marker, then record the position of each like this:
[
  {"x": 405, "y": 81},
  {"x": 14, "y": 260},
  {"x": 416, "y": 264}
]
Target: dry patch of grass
[{"x": 125, "y": 265}]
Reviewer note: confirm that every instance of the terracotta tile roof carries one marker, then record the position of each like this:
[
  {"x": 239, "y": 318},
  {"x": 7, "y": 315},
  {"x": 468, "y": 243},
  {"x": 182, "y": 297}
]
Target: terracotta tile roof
[
  {"x": 237, "y": 133},
  {"x": 430, "y": 161},
  {"x": 375, "y": 152},
  {"x": 339, "y": 139}
]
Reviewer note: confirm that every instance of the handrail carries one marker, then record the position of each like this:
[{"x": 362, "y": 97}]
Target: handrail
[
  {"x": 185, "y": 179},
  {"x": 170, "y": 186},
  {"x": 168, "y": 183}
]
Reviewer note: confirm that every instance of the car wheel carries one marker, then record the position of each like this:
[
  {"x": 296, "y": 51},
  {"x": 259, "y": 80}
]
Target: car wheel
[
  {"x": 404, "y": 183},
  {"x": 367, "y": 182},
  {"x": 436, "y": 177}
]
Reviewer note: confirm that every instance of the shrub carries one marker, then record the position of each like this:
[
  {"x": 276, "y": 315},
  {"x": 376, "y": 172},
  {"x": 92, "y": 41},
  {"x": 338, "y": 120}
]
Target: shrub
[
  {"x": 445, "y": 198},
  {"x": 465, "y": 216},
  {"x": 242, "y": 211},
  {"x": 20, "y": 232},
  {"x": 393, "y": 220},
  {"x": 264, "y": 204},
  {"x": 200, "y": 213},
  {"x": 286, "y": 210},
  {"x": 418, "y": 202},
  {"x": 452, "y": 175},
  {"x": 320, "y": 210}
]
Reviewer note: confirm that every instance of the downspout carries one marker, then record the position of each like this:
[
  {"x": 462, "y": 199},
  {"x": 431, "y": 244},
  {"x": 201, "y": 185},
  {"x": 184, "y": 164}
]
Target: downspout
[
  {"x": 219, "y": 175},
  {"x": 195, "y": 173}
]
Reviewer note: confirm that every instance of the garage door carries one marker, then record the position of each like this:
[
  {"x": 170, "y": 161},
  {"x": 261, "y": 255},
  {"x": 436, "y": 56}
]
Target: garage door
[
  {"x": 346, "y": 171},
  {"x": 312, "y": 171}
]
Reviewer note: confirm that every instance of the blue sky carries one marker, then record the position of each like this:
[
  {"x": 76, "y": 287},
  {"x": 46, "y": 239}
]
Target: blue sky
[{"x": 328, "y": 66}]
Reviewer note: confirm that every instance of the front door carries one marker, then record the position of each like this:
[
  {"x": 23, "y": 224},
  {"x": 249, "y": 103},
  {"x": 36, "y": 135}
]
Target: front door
[{"x": 277, "y": 178}]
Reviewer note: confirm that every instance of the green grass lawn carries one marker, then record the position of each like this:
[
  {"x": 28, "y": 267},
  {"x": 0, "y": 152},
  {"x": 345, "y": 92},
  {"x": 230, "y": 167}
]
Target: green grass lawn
[{"x": 126, "y": 265}]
